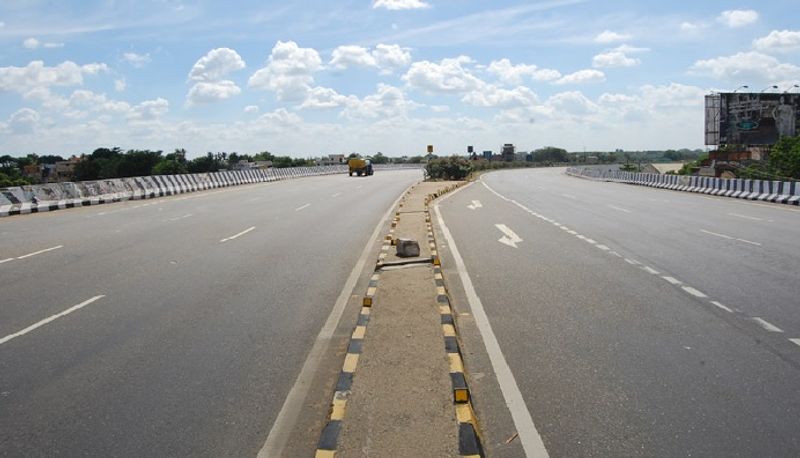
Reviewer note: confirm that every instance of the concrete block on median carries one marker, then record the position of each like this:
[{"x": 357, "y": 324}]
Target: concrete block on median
[{"x": 407, "y": 248}]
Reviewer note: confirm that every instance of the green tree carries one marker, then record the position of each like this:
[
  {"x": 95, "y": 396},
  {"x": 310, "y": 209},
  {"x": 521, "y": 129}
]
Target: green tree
[
  {"x": 449, "y": 168},
  {"x": 169, "y": 167},
  {"x": 380, "y": 159},
  {"x": 784, "y": 158},
  {"x": 86, "y": 170},
  {"x": 550, "y": 154}
]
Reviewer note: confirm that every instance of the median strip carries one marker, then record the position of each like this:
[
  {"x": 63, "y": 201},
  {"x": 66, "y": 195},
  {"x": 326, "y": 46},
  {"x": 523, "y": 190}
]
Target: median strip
[{"x": 403, "y": 372}]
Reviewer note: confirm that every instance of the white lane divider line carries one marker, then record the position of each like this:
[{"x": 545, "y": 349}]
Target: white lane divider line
[
  {"x": 766, "y": 324},
  {"x": 50, "y": 318},
  {"x": 249, "y": 229},
  {"x": 336, "y": 194},
  {"x": 726, "y": 237},
  {"x": 619, "y": 209},
  {"x": 751, "y": 218},
  {"x": 694, "y": 292},
  {"x": 632, "y": 262},
  {"x": 650, "y": 270},
  {"x": 672, "y": 280},
  {"x": 302, "y": 207},
  {"x": 494, "y": 192},
  {"x": 6, "y": 260},
  {"x": 40, "y": 252},
  {"x": 588, "y": 240},
  {"x": 529, "y": 436},
  {"x": 614, "y": 253},
  {"x": 795, "y": 341},
  {"x": 603, "y": 247},
  {"x": 723, "y": 307}
]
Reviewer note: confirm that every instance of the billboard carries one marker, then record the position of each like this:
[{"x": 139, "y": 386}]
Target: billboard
[{"x": 751, "y": 118}]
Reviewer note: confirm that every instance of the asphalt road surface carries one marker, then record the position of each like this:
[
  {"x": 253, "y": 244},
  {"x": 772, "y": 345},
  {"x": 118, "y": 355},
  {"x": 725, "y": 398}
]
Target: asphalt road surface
[
  {"x": 174, "y": 326},
  {"x": 637, "y": 321}
]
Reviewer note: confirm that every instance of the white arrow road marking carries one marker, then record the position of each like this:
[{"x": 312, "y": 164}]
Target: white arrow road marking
[
  {"x": 510, "y": 238},
  {"x": 475, "y": 204}
]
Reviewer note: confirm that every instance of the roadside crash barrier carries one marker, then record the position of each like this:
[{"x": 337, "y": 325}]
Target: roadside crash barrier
[
  {"x": 55, "y": 196},
  {"x": 782, "y": 192}
]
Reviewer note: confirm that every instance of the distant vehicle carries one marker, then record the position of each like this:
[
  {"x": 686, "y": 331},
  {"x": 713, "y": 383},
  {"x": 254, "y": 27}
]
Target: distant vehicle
[{"x": 360, "y": 166}]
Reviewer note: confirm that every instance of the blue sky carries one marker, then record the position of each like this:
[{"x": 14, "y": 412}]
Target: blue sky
[{"x": 321, "y": 77}]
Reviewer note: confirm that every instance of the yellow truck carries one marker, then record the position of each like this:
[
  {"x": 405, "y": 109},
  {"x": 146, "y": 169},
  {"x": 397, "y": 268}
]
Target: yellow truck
[{"x": 360, "y": 166}]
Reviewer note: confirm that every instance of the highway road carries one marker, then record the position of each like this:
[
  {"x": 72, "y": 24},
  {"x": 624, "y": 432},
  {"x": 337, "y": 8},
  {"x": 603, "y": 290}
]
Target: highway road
[
  {"x": 175, "y": 326},
  {"x": 634, "y": 321}
]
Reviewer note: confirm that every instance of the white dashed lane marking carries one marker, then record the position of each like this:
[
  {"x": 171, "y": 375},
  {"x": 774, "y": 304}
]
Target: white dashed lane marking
[
  {"x": 672, "y": 280},
  {"x": 766, "y": 324}
]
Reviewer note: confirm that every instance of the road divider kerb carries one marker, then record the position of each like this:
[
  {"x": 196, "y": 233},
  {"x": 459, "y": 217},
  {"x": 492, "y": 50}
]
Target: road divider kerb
[{"x": 469, "y": 441}]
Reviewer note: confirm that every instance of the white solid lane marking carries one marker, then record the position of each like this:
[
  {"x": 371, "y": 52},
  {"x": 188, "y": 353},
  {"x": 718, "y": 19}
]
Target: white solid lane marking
[
  {"x": 6, "y": 260},
  {"x": 766, "y": 324},
  {"x": 572, "y": 232},
  {"x": 40, "y": 252},
  {"x": 672, "y": 280},
  {"x": 615, "y": 254},
  {"x": 723, "y": 307},
  {"x": 795, "y": 341},
  {"x": 716, "y": 234},
  {"x": 619, "y": 209},
  {"x": 238, "y": 235},
  {"x": 632, "y": 262},
  {"x": 748, "y": 241},
  {"x": 694, "y": 292},
  {"x": 50, "y": 318},
  {"x": 528, "y": 434},
  {"x": 509, "y": 238},
  {"x": 336, "y": 194},
  {"x": 494, "y": 192},
  {"x": 588, "y": 240},
  {"x": 290, "y": 411},
  {"x": 603, "y": 247},
  {"x": 303, "y": 207},
  {"x": 650, "y": 270}
]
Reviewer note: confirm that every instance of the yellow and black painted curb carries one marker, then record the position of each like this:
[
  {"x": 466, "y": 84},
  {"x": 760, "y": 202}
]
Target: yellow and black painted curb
[
  {"x": 469, "y": 442},
  {"x": 329, "y": 438}
]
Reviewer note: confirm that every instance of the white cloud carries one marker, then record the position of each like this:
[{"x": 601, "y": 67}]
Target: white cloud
[
  {"x": 386, "y": 58},
  {"x": 37, "y": 75},
  {"x": 492, "y": 96},
  {"x": 617, "y": 57},
  {"x": 136, "y": 60},
  {"x": 747, "y": 67},
  {"x": 31, "y": 43},
  {"x": 513, "y": 74},
  {"x": 289, "y": 71},
  {"x": 216, "y": 65},
  {"x": 738, "y": 18},
  {"x": 399, "y": 4},
  {"x": 53, "y": 45},
  {"x": 691, "y": 27},
  {"x": 387, "y": 102},
  {"x": 582, "y": 77},
  {"x": 608, "y": 36},
  {"x": 211, "y": 91},
  {"x": 440, "y": 108},
  {"x": 149, "y": 110},
  {"x": 391, "y": 57},
  {"x": 325, "y": 98},
  {"x": 120, "y": 85},
  {"x": 350, "y": 55},
  {"x": 251, "y": 109},
  {"x": 570, "y": 104},
  {"x": 276, "y": 121},
  {"x": 778, "y": 40},
  {"x": 23, "y": 121},
  {"x": 446, "y": 77}
]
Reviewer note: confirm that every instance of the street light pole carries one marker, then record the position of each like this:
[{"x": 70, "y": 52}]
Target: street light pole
[
  {"x": 768, "y": 88},
  {"x": 741, "y": 87}
]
